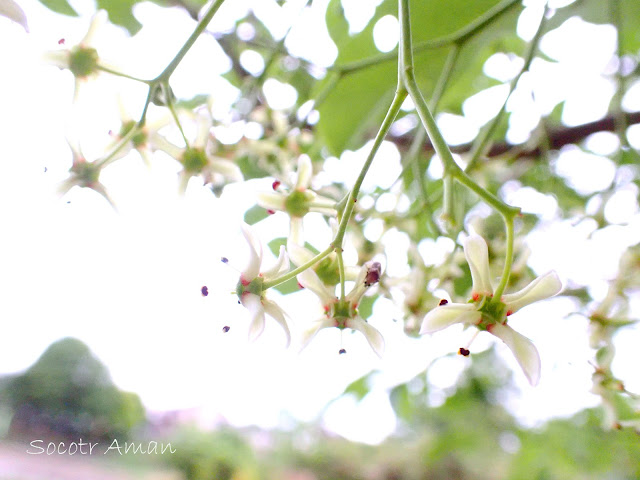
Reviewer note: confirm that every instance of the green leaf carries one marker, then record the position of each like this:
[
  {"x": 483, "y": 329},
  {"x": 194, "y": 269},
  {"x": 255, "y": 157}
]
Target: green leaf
[
  {"x": 594, "y": 11},
  {"x": 120, "y": 13},
  {"x": 365, "y": 307},
  {"x": 291, "y": 285},
  {"x": 255, "y": 214},
  {"x": 60, "y": 6},
  {"x": 355, "y": 107},
  {"x": 360, "y": 387},
  {"x": 401, "y": 402},
  {"x": 193, "y": 102}
]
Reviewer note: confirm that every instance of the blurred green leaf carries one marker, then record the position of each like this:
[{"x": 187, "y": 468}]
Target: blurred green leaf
[
  {"x": 360, "y": 387},
  {"x": 120, "y": 13},
  {"x": 368, "y": 92},
  {"x": 255, "y": 214},
  {"x": 60, "y": 6},
  {"x": 595, "y": 11},
  {"x": 365, "y": 307}
]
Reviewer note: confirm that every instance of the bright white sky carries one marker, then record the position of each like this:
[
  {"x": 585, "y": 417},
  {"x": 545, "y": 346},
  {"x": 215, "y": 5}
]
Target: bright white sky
[{"x": 128, "y": 282}]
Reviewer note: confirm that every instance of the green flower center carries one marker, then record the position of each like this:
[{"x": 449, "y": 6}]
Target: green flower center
[
  {"x": 139, "y": 139},
  {"x": 341, "y": 312},
  {"x": 297, "y": 203},
  {"x": 492, "y": 313},
  {"x": 83, "y": 61},
  {"x": 254, "y": 286},
  {"x": 194, "y": 160},
  {"x": 86, "y": 173}
]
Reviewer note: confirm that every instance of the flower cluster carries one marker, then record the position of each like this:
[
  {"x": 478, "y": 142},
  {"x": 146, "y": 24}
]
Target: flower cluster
[
  {"x": 491, "y": 314},
  {"x": 340, "y": 313}
]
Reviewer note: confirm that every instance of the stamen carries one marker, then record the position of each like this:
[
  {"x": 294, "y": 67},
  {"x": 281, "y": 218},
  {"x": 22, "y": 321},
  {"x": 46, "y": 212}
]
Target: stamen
[
  {"x": 469, "y": 343},
  {"x": 61, "y": 41},
  {"x": 271, "y": 212},
  {"x": 275, "y": 184},
  {"x": 226, "y": 328},
  {"x": 204, "y": 290},
  {"x": 224, "y": 260},
  {"x": 444, "y": 301},
  {"x": 463, "y": 351},
  {"x": 342, "y": 351},
  {"x": 373, "y": 274}
]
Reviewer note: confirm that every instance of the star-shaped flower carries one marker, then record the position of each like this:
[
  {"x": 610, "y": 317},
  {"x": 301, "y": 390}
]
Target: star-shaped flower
[
  {"x": 299, "y": 200},
  {"x": 196, "y": 158},
  {"x": 344, "y": 313},
  {"x": 81, "y": 59},
  {"x": 83, "y": 174},
  {"x": 250, "y": 287},
  {"x": 487, "y": 314}
]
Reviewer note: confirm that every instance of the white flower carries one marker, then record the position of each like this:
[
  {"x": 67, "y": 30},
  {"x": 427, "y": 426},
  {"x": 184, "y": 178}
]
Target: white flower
[
  {"x": 491, "y": 315},
  {"x": 250, "y": 287},
  {"x": 196, "y": 159},
  {"x": 82, "y": 59},
  {"x": 344, "y": 313},
  {"x": 83, "y": 174},
  {"x": 300, "y": 200}
]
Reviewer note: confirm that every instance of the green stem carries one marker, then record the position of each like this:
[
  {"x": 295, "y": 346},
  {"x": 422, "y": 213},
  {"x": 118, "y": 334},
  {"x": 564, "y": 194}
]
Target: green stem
[
  {"x": 399, "y": 97},
  {"x": 483, "y": 141},
  {"x": 123, "y": 141},
  {"x": 506, "y": 272},
  {"x": 322, "y": 95},
  {"x": 341, "y": 272},
  {"x": 620, "y": 119},
  {"x": 121, "y": 74},
  {"x": 174, "y": 114},
  {"x": 300, "y": 269},
  {"x": 459, "y": 37},
  {"x": 202, "y": 24},
  {"x": 451, "y": 168}
]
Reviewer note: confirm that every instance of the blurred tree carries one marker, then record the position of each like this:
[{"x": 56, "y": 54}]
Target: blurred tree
[{"x": 68, "y": 393}]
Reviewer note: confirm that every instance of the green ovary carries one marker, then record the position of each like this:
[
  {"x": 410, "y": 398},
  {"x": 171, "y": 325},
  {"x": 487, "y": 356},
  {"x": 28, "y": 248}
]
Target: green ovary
[
  {"x": 297, "y": 203},
  {"x": 139, "y": 139},
  {"x": 83, "y": 61},
  {"x": 194, "y": 160}
]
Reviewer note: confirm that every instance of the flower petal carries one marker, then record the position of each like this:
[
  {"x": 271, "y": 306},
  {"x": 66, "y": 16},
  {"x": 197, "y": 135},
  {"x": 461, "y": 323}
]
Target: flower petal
[
  {"x": 299, "y": 255},
  {"x": 98, "y": 20},
  {"x": 272, "y": 309},
  {"x": 281, "y": 266},
  {"x": 542, "y": 287},
  {"x": 523, "y": 349},
  {"x": 373, "y": 336},
  {"x": 446, "y": 315},
  {"x": 11, "y": 10},
  {"x": 295, "y": 232},
  {"x": 305, "y": 170},
  {"x": 309, "y": 279},
  {"x": 227, "y": 168},
  {"x": 477, "y": 254},
  {"x": 271, "y": 200},
  {"x": 311, "y": 332},
  {"x": 253, "y": 303},
  {"x": 255, "y": 253}
]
